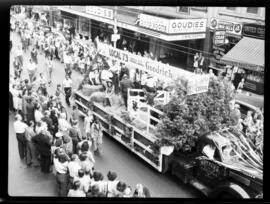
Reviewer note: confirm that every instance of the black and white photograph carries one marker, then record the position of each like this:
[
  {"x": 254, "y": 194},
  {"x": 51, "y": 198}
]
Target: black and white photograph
[{"x": 136, "y": 101}]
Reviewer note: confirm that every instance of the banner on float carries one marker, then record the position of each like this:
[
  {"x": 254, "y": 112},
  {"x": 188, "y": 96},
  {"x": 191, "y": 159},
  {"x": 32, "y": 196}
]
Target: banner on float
[
  {"x": 198, "y": 84},
  {"x": 158, "y": 69}
]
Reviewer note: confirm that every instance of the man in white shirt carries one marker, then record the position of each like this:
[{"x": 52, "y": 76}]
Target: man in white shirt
[
  {"x": 67, "y": 85},
  {"x": 106, "y": 76},
  {"x": 20, "y": 128},
  {"x": 73, "y": 168},
  {"x": 31, "y": 68},
  {"x": 63, "y": 124},
  {"x": 61, "y": 167}
]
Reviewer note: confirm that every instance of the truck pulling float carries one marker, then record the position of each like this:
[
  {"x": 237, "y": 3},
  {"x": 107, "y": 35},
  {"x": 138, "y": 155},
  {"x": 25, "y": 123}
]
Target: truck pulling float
[{"x": 224, "y": 164}]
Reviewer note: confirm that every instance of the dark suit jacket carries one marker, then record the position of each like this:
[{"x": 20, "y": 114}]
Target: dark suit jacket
[
  {"x": 49, "y": 122},
  {"x": 43, "y": 144},
  {"x": 125, "y": 84}
]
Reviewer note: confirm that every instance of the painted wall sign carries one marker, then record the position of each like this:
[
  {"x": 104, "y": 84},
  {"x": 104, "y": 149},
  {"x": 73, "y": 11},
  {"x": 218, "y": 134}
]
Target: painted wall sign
[
  {"x": 254, "y": 30},
  {"x": 230, "y": 27},
  {"x": 99, "y": 11}
]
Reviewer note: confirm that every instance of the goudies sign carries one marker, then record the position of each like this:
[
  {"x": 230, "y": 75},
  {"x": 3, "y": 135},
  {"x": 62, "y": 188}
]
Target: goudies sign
[
  {"x": 195, "y": 83},
  {"x": 172, "y": 26}
]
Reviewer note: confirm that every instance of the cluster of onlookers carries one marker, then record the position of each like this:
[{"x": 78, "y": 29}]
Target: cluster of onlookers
[{"x": 50, "y": 138}]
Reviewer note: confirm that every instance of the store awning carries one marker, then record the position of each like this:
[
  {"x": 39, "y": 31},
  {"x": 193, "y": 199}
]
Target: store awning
[
  {"x": 247, "y": 53},
  {"x": 128, "y": 23}
]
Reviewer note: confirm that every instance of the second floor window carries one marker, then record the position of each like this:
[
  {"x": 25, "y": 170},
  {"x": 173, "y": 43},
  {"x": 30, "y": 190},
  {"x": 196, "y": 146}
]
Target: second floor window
[
  {"x": 183, "y": 9},
  {"x": 253, "y": 10},
  {"x": 231, "y": 8}
]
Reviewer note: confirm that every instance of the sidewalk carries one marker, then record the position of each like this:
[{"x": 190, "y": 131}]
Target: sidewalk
[{"x": 251, "y": 98}]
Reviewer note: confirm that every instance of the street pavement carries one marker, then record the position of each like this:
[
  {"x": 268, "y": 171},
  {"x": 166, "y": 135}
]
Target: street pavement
[{"x": 23, "y": 181}]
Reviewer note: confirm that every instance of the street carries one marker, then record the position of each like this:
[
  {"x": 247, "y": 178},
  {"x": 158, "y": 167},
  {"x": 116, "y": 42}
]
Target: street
[{"x": 23, "y": 181}]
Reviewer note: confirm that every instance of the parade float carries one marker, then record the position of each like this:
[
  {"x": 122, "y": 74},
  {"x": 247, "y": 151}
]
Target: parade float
[{"x": 185, "y": 132}]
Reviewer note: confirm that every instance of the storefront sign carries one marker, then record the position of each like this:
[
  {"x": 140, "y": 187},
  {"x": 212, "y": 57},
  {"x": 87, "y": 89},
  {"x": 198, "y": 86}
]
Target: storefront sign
[
  {"x": 172, "y": 26},
  {"x": 183, "y": 37},
  {"x": 187, "y": 26},
  {"x": 160, "y": 70},
  {"x": 230, "y": 27},
  {"x": 219, "y": 37},
  {"x": 254, "y": 30},
  {"x": 154, "y": 23},
  {"x": 99, "y": 11}
]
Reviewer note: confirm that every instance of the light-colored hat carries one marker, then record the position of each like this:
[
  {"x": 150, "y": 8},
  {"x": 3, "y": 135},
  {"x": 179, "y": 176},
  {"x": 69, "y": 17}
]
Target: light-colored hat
[{"x": 59, "y": 134}]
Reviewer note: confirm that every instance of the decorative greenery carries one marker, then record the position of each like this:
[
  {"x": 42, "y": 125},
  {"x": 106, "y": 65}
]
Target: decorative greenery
[
  {"x": 187, "y": 118},
  {"x": 126, "y": 117}
]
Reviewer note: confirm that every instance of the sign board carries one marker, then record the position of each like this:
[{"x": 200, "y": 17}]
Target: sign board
[
  {"x": 254, "y": 30},
  {"x": 219, "y": 37},
  {"x": 115, "y": 37},
  {"x": 172, "y": 26},
  {"x": 198, "y": 84},
  {"x": 158, "y": 69},
  {"x": 154, "y": 23},
  {"x": 230, "y": 27},
  {"x": 99, "y": 11},
  {"x": 187, "y": 26},
  {"x": 188, "y": 36}
]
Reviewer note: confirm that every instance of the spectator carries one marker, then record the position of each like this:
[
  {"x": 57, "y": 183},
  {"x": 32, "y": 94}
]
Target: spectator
[
  {"x": 43, "y": 143},
  {"x": 75, "y": 135},
  {"x": 141, "y": 191},
  {"x": 73, "y": 168},
  {"x": 20, "y": 128},
  {"x": 30, "y": 149},
  {"x": 112, "y": 183},
  {"x": 96, "y": 133},
  {"x": 76, "y": 191},
  {"x": 67, "y": 85},
  {"x": 61, "y": 167},
  {"x": 67, "y": 145}
]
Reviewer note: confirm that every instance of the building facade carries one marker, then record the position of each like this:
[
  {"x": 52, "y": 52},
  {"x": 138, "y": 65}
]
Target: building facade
[{"x": 171, "y": 34}]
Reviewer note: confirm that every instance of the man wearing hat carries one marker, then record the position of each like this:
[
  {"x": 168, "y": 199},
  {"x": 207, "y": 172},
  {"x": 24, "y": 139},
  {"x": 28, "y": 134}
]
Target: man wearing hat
[{"x": 125, "y": 84}]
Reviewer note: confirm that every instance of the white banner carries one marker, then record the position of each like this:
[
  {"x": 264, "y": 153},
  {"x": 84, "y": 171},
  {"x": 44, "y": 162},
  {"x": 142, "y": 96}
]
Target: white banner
[
  {"x": 158, "y": 69},
  {"x": 99, "y": 11},
  {"x": 187, "y": 26},
  {"x": 230, "y": 27},
  {"x": 198, "y": 84}
]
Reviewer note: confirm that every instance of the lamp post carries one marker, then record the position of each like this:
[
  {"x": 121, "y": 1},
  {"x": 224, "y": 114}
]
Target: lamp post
[{"x": 115, "y": 26}]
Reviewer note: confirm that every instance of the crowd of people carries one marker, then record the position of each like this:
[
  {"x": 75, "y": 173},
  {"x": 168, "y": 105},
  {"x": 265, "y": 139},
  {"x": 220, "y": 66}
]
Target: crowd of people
[{"x": 48, "y": 136}]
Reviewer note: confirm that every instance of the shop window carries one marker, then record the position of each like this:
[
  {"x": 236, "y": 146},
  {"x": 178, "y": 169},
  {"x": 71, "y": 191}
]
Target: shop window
[
  {"x": 182, "y": 9},
  {"x": 253, "y": 10},
  {"x": 231, "y": 8},
  {"x": 200, "y": 8}
]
